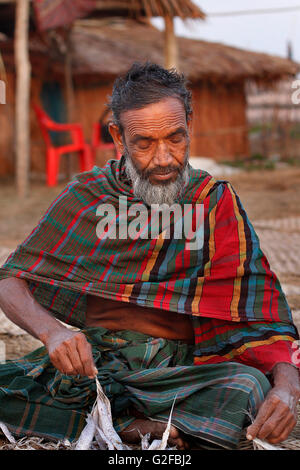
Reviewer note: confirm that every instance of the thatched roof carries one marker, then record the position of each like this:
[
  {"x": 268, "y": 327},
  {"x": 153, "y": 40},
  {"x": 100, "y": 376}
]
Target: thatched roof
[
  {"x": 110, "y": 49},
  {"x": 107, "y": 48},
  {"x": 51, "y": 14},
  {"x": 182, "y": 8}
]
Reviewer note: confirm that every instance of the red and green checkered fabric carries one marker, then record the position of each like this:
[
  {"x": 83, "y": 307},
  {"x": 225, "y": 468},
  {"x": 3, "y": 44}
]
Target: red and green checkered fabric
[{"x": 228, "y": 279}]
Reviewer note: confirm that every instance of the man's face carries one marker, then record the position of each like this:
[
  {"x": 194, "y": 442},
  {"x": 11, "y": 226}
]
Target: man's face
[{"x": 155, "y": 143}]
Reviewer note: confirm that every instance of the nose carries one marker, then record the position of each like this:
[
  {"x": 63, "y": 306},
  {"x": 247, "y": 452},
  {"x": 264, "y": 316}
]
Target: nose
[{"x": 162, "y": 155}]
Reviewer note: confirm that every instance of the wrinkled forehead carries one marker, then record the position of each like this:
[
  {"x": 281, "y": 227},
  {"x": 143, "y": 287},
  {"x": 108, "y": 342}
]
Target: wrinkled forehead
[{"x": 155, "y": 119}]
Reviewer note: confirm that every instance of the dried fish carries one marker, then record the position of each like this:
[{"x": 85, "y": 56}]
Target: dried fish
[
  {"x": 165, "y": 436},
  {"x": 87, "y": 435},
  {"x": 102, "y": 416},
  {"x": 161, "y": 444},
  {"x": 101, "y": 443},
  {"x": 258, "y": 444},
  {"x": 155, "y": 445},
  {"x": 99, "y": 426},
  {"x": 7, "y": 433},
  {"x": 98, "y": 433}
]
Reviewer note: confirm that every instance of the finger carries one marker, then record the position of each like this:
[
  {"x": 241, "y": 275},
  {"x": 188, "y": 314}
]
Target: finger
[
  {"x": 55, "y": 362},
  {"x": 281, "y": 413},
  {"x": 263, "y": 414},
  {"x": 275, "y": 438},
  {"x": 84, "y": 350},
  {"x": 279, "y": 428},
  {"x": 72, "y": 354},
  {"x": 62, "y": 363},
  {"x": 54, "y": 357}
]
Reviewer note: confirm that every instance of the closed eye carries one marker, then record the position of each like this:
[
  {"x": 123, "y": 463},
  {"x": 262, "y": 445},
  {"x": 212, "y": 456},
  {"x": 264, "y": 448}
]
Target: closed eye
[
  {"x": 177, "y": 138},
  {"x": 144, "y": 144}
]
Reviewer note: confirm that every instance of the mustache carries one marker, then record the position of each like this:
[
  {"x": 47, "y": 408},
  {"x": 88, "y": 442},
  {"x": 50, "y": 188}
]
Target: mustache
[{"x": 159, "y": 170}]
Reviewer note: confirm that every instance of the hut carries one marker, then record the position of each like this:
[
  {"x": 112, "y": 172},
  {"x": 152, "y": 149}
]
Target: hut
[
  {"x": 49, "y": 15},
  {"x": 102, "y": 49}
]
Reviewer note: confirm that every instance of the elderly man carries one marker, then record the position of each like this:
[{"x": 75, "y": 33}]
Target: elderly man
[{"x": 194, "y": 317}]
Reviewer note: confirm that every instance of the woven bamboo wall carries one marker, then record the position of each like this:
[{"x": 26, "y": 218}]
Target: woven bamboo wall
[{"x": 220, "y": 125}]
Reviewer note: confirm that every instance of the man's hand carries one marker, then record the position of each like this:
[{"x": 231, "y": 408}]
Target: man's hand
[
  {"x": 277, "y": 415},
  {"x": 70, "y": 353}
]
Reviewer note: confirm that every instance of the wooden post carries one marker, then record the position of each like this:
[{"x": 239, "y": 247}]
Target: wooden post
[
  {"x": 22, "y": 110},
  {"x": 70, "y": 98},
  {"x": 171, "y": 48}
]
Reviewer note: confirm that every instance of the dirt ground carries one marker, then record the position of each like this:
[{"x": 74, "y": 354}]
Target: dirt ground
[{"x": 267, "y": 195}]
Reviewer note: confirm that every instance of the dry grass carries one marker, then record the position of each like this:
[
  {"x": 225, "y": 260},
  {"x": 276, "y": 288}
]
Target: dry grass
[
  {"x": 182, "y": 8},
  {"x": 127, "y": 41},
  {"x": 124, "y": 41}
]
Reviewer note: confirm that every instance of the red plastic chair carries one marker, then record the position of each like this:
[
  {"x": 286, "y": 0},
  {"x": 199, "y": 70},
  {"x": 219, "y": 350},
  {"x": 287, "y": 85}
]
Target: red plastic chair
[
  {"x": 53, "y": 154},
  {"x": 97, "y": 142}
]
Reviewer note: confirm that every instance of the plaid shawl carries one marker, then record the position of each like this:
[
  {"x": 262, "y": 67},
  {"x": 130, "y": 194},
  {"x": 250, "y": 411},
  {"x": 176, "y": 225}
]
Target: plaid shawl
[{"x": 229, "y": 278}]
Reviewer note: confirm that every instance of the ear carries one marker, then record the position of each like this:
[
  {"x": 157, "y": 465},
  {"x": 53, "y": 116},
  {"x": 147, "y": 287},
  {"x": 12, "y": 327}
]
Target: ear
[{"x": 116, "y": 136}]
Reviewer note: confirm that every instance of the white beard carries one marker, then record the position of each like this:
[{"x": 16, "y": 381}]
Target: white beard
[{"x": 156, "y": 194}]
